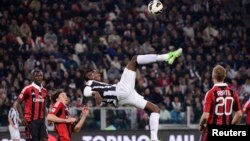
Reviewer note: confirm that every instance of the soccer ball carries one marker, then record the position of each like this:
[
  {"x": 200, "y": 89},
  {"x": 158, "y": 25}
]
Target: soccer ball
[{"x": 155, "y": 7}]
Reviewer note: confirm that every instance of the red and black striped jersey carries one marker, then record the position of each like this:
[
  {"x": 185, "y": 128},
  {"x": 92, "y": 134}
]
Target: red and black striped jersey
[
  {"x": 64, "y": 130},
  {"x": 246, "y": 110},
  {"x": 220, "y": 102},
  {"x": 34, "y": 98}
]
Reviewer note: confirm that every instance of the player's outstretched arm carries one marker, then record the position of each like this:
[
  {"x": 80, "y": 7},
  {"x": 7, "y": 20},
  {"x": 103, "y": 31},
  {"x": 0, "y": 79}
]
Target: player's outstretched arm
[
  {"x": 85, "y": 113},
  {"x": 238, "y": 112},
  {"x": 237, "y": 117},
  {"x": 20, "y": 110},
  {"x": 10, "y": 119},
  {"x": 54, "y": 118},
  {"x": 203, "y": 120},
  {"x": 89, "y": 93},
  {"x": 98, "y": 98}
]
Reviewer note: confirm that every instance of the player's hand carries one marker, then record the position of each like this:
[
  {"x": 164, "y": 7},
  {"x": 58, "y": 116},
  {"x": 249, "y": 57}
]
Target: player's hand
[
  {"x": 25, "y": 122},
  {"x": 15, "y": 127},
  {"x": 201, "y": 128},
  {"x": 85, "y": 111},
  {"x": 71, "y": 120},
  {"x": 19, "y": 120},
  {"x": 98, "y": 98}
]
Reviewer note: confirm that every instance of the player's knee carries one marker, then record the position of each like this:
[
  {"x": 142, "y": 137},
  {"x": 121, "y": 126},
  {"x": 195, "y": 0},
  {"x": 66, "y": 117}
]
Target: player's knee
[
  {"x": 155, "y": 109},
  {"x": 152, "y": 108},
  {"x": 132, "y": 64},
  {"x": 134, "y": 59}
]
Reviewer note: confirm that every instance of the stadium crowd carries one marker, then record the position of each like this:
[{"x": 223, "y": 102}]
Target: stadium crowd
[{"x": 64, "y": 37}]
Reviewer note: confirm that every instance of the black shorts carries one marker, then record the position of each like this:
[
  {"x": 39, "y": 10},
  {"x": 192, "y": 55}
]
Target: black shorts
[{"x": 36, "y": 130}]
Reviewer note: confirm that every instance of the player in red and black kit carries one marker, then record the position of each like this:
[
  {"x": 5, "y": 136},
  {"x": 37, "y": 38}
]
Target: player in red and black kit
[
  {"x": 219, "y": 104},
  {"x": 246, "y": 110},
  {"x": 59, "y": 115},
  {"x": 34, "y": 97}
]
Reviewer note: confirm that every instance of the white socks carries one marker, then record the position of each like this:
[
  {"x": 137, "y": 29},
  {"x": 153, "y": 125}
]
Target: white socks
[
  {"x": 151, "y": 58},
  {"x": 163, "y": 57},
  {"x": 154, "y": 125},
  {"x": 146, "y": 59}
]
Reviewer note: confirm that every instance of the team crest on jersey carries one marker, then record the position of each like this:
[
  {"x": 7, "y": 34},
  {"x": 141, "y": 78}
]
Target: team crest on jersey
[{"x": 38, "y": 100}]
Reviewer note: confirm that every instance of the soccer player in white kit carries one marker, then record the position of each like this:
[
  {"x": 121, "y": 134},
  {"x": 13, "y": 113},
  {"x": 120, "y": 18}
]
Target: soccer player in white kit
[
  {"x": 13, "y": 119},
  {"x": 124, "y": 93}
]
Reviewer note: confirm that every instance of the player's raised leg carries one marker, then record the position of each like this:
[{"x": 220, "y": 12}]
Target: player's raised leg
[
  {"x": 128, "y": 76},
  {"x": 127, "y": 82},
  {"x": 151, "y": 58}
]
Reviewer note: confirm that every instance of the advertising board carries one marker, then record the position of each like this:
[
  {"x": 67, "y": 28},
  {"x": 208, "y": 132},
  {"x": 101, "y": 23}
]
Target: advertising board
[{"x": 125, "y": 135}]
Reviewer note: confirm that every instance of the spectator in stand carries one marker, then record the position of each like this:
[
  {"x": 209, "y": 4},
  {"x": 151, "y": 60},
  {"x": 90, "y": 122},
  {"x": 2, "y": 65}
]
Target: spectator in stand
[
  {"x": 165, "y": 116},
  {"x": 176, "y": 115},
  {"x": 246, "y": 86}
]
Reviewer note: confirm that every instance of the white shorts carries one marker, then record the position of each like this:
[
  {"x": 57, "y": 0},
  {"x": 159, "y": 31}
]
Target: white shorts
[
  {"x": 14, "y": 133},
  {"x": 126, "y": 89}
]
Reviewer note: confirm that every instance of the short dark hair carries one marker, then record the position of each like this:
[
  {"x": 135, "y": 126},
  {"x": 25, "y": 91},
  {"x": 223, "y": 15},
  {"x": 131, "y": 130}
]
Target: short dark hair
[
  {"x": 86, "y": 73},
  {"x": 55, "y": 94},
  {"x": 36, "y": 70}
]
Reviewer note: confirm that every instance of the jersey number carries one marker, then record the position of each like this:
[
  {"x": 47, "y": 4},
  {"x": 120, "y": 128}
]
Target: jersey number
[{"x": 223, "y": 103}]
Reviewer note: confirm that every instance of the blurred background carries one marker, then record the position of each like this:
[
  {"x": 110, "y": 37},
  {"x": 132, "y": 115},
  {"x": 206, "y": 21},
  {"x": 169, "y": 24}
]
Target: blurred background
[{"x": 64, "y": 37}]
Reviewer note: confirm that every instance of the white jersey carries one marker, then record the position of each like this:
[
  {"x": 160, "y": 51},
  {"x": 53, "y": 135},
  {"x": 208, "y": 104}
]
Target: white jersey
[
  {"x": 13, "y": 114},
  {"x": 14, "y": 131},
  {"x": 122, "y": 93},
  {"x": 107, "y": 91}
]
